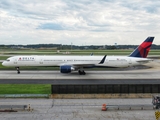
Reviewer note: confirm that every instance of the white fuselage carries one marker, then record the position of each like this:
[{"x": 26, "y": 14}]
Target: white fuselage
[
  {"x": 71, "y": 63},
  {"x": 84, "y": 61}
]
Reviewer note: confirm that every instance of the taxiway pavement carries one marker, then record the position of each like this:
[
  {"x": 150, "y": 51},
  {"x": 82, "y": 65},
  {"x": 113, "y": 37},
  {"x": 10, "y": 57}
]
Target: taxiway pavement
[
  {"x": 78, "y": 109},
  {"x": 150, "y": 72},
  {"x": 131, "y": 74},
  {"x": 75, "y": 109},
  {"x": 149, "y": 75},
  {"x": 92, "y": 77}
]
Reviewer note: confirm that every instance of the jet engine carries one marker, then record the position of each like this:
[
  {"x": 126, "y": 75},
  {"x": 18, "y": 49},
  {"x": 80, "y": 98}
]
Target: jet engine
[{"x": 66, "y": 69}]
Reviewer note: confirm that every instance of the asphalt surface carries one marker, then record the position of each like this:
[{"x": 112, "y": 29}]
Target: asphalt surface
[
  {"x": 76, "y": 109},
  {"x": 79, "y": 81},
  {"x": 147, "y": 76}
]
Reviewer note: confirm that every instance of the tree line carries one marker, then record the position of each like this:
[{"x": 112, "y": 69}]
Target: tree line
[{"x": 64, "y": 47}]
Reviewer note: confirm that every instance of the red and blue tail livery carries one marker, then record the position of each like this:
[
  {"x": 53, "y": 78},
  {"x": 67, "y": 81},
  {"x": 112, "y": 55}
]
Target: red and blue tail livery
[{"x": 143, "y": 49}]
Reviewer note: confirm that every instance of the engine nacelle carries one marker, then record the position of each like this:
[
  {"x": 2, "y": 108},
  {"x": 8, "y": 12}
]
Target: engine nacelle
[{"x": 66, "y": 69}]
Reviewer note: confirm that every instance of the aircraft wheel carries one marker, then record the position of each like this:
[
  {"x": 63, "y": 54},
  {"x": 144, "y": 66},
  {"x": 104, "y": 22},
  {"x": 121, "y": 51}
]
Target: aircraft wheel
[
  {"x": 18, "y": 71},
  {"x": 81, "y": 72},
  {"x": 84, "y": 73}
]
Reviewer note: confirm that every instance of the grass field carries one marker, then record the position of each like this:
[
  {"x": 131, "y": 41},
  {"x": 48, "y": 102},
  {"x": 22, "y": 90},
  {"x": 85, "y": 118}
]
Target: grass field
[
  {"x": 70, "y": 52},
  {"x": 25, "y": 89}
]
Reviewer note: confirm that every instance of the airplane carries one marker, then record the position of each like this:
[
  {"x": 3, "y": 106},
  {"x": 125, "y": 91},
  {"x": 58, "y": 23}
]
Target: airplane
[{"x": 68, "y": 64}]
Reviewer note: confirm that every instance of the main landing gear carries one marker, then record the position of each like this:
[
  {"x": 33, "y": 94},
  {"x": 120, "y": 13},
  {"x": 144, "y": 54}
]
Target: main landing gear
[
  {"x": 18, "y": 71},
  {"x": 81, "y": 72}
]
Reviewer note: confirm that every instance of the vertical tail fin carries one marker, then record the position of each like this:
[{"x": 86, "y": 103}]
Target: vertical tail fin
[{"x": 143, "y": 49}]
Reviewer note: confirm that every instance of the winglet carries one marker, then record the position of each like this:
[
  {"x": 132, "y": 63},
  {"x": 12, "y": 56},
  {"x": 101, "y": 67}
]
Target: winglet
[
  {"x": 103, "y": 59},
  {"x": 91, "y": 54},
  {"x": 143, "y": 49}
]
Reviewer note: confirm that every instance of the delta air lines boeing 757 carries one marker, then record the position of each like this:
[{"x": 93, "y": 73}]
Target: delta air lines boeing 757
[{"x": 68, "y": 64}]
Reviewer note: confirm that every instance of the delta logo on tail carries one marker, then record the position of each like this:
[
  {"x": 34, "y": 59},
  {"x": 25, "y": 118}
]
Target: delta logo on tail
[{"x": 143, "y": 49}]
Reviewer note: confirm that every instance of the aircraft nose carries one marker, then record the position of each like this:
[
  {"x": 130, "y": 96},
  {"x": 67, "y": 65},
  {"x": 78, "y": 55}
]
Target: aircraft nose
[{"x": 3, "y": 63}]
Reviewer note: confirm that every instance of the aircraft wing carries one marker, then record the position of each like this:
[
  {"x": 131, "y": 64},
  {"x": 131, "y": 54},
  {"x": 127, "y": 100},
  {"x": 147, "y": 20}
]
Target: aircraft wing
[{"x": 83, "y": 64}]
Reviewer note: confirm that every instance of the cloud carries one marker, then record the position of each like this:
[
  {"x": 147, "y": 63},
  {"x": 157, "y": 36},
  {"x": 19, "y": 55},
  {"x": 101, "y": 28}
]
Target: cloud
[{"x": 79, "y": 22}]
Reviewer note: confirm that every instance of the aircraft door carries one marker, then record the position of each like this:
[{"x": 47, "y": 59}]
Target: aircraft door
[
  {"x": 41, "y": 61},
  {"x": 15, "y": 61},
  {"x": 130, "y": 62}
]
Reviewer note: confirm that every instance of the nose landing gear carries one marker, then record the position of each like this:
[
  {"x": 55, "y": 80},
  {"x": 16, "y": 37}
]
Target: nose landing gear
[{"x": 18, "y": 71}]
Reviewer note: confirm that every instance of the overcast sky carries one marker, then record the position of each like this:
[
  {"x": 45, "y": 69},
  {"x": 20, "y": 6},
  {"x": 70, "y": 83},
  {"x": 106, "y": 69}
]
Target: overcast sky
[{"x": 80, "y": 22}]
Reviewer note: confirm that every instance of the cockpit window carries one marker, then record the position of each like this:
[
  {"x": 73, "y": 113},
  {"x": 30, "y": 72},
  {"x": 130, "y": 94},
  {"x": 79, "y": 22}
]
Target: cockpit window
[{"x": 8, "y": 60}]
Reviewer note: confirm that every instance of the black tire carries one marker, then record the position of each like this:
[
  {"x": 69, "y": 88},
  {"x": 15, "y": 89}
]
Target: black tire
[{"x": 81, "y": 72}]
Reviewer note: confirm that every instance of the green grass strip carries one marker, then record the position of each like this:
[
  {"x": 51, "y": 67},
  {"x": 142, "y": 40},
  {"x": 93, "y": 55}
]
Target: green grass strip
[{"x": 25, "y": 89}]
